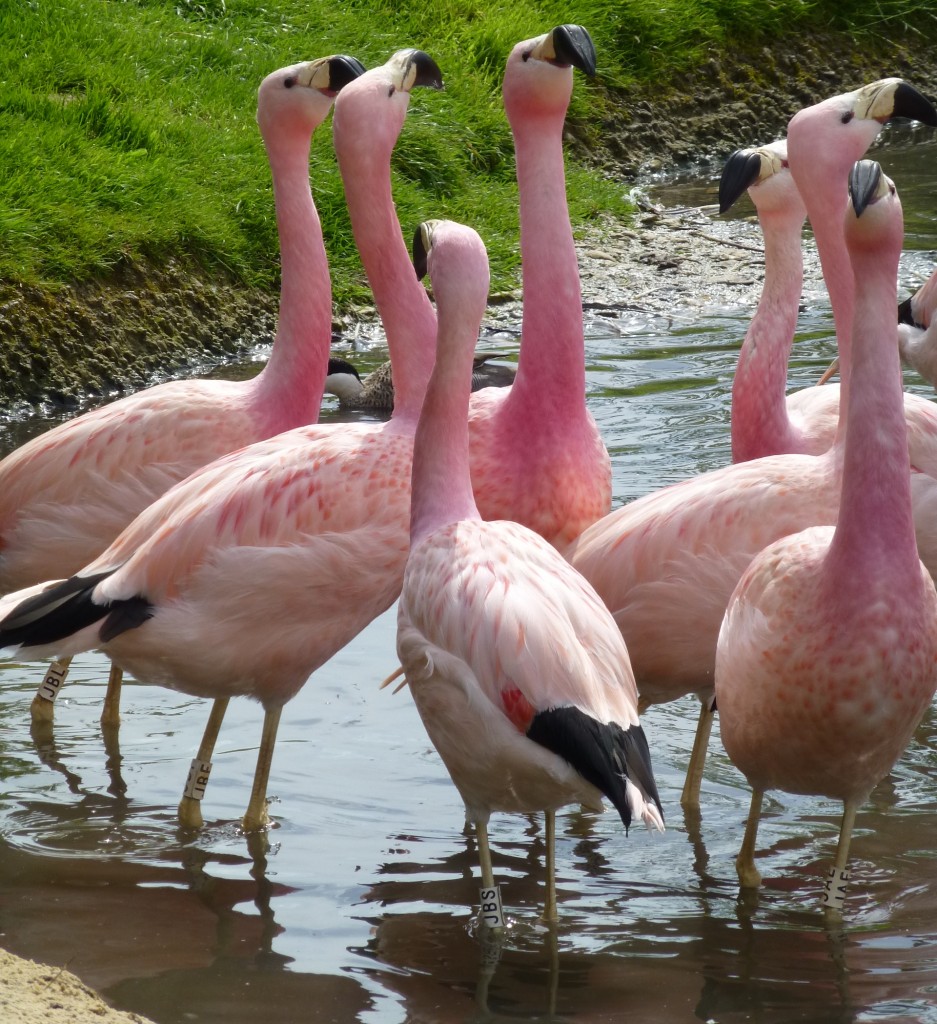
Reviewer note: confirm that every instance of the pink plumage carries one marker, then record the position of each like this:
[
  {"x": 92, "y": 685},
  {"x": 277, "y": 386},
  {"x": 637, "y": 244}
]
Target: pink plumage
[
  {"x": 537, "y": 454},
  {"x": 496, "y": 633},
  {"x": 823, "y": 142},
  {"x": 827, "y": 657}
]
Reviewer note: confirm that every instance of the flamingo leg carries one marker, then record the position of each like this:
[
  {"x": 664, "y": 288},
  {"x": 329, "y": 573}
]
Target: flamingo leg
[
  {"x": 484, "y": 855},
  {"x": 110, "y": 713},
  {"x": 834, "y": 893},
  {"x": 490, "y": 914},
  {"x": 689, "y": 798},
  {"x": 549, "y": 909},
  {"x": 256, "y": 815},
  {"x": 43, "y": 707},
  {"x": 190, "y": 806},
  {"x": 749, "y": 878}
]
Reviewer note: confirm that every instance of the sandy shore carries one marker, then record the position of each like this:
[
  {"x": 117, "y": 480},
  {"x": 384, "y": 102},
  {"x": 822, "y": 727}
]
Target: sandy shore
[{"x": 32, "y": 993}]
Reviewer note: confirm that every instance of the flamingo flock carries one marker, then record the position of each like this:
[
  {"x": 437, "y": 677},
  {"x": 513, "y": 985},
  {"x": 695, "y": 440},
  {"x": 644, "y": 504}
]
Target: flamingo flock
[{"x": 217, "y": 540}]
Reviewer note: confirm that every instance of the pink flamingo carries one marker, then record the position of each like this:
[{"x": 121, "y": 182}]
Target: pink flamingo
[
  {"x": 517, "y": 669},
  {"x": 823, "y": 143},
  {"x": 226, "y": 585},
  {"x": 67, "y": 494},
  {"x": 827, "y": 657},
  {"x": 537, "y": 455},
  {"x": 917, "y": 330},
  {"x": 762, "y": 421}
]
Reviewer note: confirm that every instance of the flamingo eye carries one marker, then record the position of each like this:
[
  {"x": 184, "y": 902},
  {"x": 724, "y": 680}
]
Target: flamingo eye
[
  {"x": 848, "y": 116},
  {"x": 289, "y": 81},
  {"x": 392, "y": 90}
]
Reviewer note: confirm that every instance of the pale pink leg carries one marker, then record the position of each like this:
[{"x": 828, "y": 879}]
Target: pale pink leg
[
  {"x": 190, "y": 806},
  {"x": 749, "y": 878},
  {"x": 694, "y": 773}
]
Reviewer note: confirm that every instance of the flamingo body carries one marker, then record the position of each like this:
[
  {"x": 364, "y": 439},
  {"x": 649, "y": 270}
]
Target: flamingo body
[
  {"x": 810, "y": 701},
  {"x": 253, "y": 547},
  {"x": 666, "y": 564},
  {"x": 494, "y": 629}
]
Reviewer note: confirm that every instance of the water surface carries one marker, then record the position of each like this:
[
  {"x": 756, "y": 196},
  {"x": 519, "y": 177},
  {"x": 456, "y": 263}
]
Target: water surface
[{"x": 358, "y": 905}]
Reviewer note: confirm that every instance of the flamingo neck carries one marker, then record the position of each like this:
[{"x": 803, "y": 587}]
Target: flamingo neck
[
  {"x": 760, "y": 421},
  {"x": 551, "y": 364},
  {"x": 406, "y": 312},
  {"x": 824, "y": 212},
  {"x": 874, "y": 539},
  {"x": 442, "y": 490},
  {"x": 289, "y": 388}
]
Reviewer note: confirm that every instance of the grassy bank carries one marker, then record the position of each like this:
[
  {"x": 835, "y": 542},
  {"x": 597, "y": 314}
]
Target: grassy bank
[
  {"x": 127, "y": 128},
  {"x": 127, "y": 133}
]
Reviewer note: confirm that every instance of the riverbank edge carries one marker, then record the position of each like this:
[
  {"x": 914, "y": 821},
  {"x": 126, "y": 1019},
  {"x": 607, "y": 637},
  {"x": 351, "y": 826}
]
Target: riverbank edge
[{"x": 62, "y": 345}]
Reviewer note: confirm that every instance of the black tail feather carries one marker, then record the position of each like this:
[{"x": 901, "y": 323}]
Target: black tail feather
[
  {"x": 67, "y": 608},
  {"x": 603, "y": 754}
]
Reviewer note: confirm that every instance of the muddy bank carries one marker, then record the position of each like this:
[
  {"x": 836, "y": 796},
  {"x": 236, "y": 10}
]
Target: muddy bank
[{"x": 139, "y": 327}]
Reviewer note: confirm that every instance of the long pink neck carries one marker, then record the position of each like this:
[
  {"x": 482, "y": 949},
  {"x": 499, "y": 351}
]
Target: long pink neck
[
  {"x": 874, "y": 539},
  {"x": 824, "y": 200},
  {"x": 551, "y": 366},
  {"x": 406, "y": 312},
  {"x": 442, "y": 490},
  {"x": 760, "y": 421},
  {"x": 289, "y": 389}
]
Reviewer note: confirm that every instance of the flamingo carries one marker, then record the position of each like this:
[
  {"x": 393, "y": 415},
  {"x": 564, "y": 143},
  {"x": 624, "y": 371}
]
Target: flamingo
[
  {"x": 226, "y": 585},
  {"x": 762, "y": 422},
  {"x": 376, "y": 391},
  {"x": 536, "y": 453},
  {"x": 917, "y": 330},
  {"x": 823, "y": 142},
  {"x": 827, "y": 656},
  {"x": 65, "y": 495},
  {"x": 517, "y": 669}
]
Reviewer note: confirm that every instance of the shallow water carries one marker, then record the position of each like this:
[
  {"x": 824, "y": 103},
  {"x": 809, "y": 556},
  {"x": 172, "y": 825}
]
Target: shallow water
[{"x": 358, "y": 905}]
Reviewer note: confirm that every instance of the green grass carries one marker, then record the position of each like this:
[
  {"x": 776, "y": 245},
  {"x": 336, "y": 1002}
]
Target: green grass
[{"x": 127, "y": 131}]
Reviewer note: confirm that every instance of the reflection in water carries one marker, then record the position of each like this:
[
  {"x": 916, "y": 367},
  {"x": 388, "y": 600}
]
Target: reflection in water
[{"x": 358, "y": 906}]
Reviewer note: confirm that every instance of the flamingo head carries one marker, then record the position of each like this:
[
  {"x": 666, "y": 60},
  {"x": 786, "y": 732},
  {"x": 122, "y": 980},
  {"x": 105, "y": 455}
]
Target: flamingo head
[
  {"x": 873, "y": 214},
  {"x": 832, "y": 135},
  {"x": 538, "y": 78},
  {"x": 457, "y": 262},
  {"x": 766, "y": 174},
  {"x": 301, "y": 95},
  {"x": 370, "y": 112}
]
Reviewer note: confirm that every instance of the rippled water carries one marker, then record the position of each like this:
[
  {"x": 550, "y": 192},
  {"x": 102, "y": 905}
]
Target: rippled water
[{"x": 358, "y": 906}]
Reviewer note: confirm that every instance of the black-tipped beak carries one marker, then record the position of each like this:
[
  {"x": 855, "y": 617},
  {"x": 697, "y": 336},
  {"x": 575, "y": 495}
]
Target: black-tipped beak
[
  {"x": 864, "y": 180},
  {"x": 425, "y": 70},
  {"x": 420, "y": 253},
  {"x": 912, "y": 104},
  {"x": 740, "y": 170},
  {"x": 342, "y": 70},
  {"x": 573, "y": 45}
]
